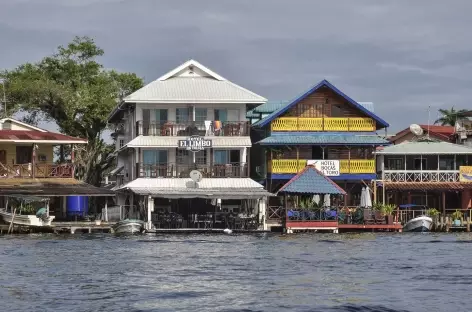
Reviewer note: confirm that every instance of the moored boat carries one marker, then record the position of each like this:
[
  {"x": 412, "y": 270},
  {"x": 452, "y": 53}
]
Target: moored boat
[
  {"x": 128, "y": 226},
  {"x": 27, "y": 220},
  {"x": 418, "y": 224}
]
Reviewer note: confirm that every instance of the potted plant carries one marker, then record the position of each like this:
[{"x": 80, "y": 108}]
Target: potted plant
[
  {"x": 387, "y": 211},
  {"x": 457, "y": 216}
]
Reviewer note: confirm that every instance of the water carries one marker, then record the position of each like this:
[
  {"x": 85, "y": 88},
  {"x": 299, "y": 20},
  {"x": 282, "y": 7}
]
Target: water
[{"x": 365, "y": 272}]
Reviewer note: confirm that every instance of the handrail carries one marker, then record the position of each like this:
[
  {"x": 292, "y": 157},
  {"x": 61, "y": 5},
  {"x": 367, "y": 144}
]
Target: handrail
[
  {"x": 209, "y": 128},
  {"x": 176, "y": 170},
  {"x": 39, "y": 170}
]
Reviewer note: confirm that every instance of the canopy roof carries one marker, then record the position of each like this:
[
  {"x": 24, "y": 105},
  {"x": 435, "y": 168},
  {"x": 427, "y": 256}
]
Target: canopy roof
[
  {"x": 311, "y": 181},
  {"x": 425, "y": 148},
  {"x": 324, "y": 139}
]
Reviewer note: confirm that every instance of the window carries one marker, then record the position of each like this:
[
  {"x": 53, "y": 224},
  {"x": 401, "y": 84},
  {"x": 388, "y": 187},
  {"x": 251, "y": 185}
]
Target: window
[
  {"x": 121, "y": 143},
  {"x": 161, "y": 116},
  {"x": 420, "y": 164},
  {"x": 200, "y": 115},
  {"x": 446, "y": 162},
  {"x": 154, "y": 157},
  {"x": 186, "y": 158},
  {"x": 182, "y": 115},
  {"x": 222, "y": 157},
  {"x": 395, "y": 164},
  {"x": 221, "y": 115}
]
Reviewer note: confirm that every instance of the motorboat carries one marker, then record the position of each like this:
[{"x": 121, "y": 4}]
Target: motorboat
[
  {"x": 419, "y": 221},
  {"x": 27, "y": 220},
  {"x": 418, "y": 224},
  {"x": 129, "y": 226}
]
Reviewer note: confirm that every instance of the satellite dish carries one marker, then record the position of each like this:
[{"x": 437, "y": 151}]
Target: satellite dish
[
  {"x": 416, "y": 130},
  {"x": 196, "y": 175}
]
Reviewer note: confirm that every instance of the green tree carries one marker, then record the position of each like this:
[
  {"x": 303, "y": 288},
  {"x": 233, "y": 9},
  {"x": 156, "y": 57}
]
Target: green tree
[
  {"x": 73, "y": 90},
  {"x": 449, "y": 117}
]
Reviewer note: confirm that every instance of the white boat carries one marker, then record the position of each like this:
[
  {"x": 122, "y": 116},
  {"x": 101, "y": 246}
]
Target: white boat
[
  {"x": 128, "y": 226},
  {"x": 28, "y": 220},
  {"x": 418, "y": 224}
]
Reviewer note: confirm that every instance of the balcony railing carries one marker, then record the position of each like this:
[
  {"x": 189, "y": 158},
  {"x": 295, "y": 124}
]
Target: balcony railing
[
  {"x": 37, "y": 171},
  {"x": 323, "y": 124},
  {"x": 421, "y": 176},
  {"x": 352, "y": 166},
  {"x": 208, "y": 128},
  {"x": 173, "y": 170}
]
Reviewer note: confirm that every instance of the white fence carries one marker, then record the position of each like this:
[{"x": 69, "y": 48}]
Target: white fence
[{"x": 421, "y": 176}]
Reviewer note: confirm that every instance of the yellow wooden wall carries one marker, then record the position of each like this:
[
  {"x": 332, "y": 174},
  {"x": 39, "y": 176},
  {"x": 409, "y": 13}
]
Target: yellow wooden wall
[{"x": 44, "y": 149}]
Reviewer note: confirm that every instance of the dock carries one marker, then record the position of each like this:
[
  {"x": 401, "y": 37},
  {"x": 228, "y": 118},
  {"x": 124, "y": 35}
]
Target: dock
[
  {"x": 202, "y": 231},
  {"x": 446, "y": 224},
  {"x": 61, "y": 227}
]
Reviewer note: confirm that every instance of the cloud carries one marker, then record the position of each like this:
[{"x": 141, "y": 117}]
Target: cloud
[{"x": 402, "y": 55}]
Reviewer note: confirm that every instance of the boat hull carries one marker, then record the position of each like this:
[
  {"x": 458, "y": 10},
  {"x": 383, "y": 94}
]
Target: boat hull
[
  {"x": 128, "y": 227},
  {"x": 27, "y": 220},
  {"x": 419, "y": 224}
]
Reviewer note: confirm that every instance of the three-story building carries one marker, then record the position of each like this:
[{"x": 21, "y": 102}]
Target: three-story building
[
  {"x": 326, "y": 128},
  {"x": 190, "y": 119}
]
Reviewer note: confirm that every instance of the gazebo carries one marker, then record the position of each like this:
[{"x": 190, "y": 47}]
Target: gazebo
[{"x": 310, "y": 182}]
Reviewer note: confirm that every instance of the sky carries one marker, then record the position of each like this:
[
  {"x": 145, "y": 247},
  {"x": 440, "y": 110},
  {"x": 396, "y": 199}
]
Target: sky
[{"x": 408, "y": 57}]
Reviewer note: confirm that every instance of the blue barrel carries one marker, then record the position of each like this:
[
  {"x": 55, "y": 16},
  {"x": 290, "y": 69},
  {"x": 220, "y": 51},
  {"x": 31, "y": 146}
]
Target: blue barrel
[{"x": 77, "y": 206}]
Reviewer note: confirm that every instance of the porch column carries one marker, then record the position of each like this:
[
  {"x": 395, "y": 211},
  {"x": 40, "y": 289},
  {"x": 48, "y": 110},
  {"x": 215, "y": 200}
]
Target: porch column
[
  {"x": 150, "y": 208},
  {"x": 466, "y": 199},
  {"x": 243, "y": 156},
  {"x": 262, "y": 212},
  {"x": 443, "y": 204},
  {"x": 106, "y": 209}
]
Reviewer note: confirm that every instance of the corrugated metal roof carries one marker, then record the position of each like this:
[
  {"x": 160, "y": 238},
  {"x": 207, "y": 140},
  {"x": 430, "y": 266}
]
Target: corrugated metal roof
[
  {"x": 226, "y": 188},
  {"x": 426, "y": 186},
  {"x": 323, "y": 138},
  {"x": 194, "y": 90},
  {"x": 172, "y": 141},
  {"x": 323, "y": 83},
  {"x": 419, "y": 148},
  {"x": 311, "y": 181},
  {"x": 33, "y": 135},
  {"x": 251, "y": 114},
  {"x": 270, "y": 107}
]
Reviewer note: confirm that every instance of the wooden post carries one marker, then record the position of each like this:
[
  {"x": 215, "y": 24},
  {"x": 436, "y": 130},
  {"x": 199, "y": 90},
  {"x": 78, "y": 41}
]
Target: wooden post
[
  {"x": 11, "y": 222},
  {"x": 447, "y": 224},
  {"x": 106, "y": 209},
  {"x": 443, "y": 197},
  {"x": 468, "y": 224},
  {"x": 33, "y": 160}
]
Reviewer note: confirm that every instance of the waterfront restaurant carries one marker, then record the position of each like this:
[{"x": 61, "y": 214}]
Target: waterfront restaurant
[
  {"x": 431, "y": 173},
  {"x": 190, "y": 119}
]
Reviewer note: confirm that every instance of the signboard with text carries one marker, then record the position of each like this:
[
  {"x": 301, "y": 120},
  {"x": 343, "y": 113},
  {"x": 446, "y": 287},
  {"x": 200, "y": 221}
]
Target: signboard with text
[
  {"x": 195, "y": 143},
  {"x": 327, "y": 166},
  {"x": 465, "y": 174}
]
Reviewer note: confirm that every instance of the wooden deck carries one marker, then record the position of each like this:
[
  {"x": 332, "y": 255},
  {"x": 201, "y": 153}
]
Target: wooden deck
[
  {"x": 201, "y": 231},
  {"x": 335, "y": 227}
]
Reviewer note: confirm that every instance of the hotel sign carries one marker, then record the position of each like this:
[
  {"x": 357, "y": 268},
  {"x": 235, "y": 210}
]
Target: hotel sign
[
  {"x": 327, "y": 167},
  {"x": 195, "y": 143},
  {"x": 465, "y": 174}
]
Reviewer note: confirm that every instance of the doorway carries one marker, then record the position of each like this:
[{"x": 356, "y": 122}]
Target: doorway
[{"x": 24, "y": 154}]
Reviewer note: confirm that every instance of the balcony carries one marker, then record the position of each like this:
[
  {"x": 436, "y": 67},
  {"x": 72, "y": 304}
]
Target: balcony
[
  {"x": 353, "y": 166},
  {"x": 209, "y": 128},
  {"x": 173, "y": 170},
  {"x": 37, "y": 171},
  {"x": 323, "y": 124},
  {"x": 421, "y": 176}
]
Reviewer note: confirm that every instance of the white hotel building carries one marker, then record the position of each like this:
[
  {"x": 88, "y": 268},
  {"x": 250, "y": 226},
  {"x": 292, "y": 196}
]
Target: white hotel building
[{"x": 188, "y": 119}]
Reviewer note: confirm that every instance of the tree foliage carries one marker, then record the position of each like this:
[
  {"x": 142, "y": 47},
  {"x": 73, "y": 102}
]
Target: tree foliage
[
  {"x": 450, "y": 116},
  {"x": 76, "y": 92}
]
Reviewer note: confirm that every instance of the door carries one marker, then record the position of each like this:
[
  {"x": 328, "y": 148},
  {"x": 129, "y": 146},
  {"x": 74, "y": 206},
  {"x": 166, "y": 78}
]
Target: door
[
  {"x": 221, "y": 115},
  {"x": 153, "y": 160},
  {"x": 3, "y": 157},
  {"x": 24, "y": 154},
  {"x": 161, "y": 116},
  {"x": 317, "y": 152}
]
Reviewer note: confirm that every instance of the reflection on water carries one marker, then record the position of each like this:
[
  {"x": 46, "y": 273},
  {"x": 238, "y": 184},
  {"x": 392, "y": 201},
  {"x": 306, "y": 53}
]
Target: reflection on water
[{"x": 352, "y": 272}]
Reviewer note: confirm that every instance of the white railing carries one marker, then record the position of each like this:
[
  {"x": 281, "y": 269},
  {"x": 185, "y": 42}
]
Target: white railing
[{"x": 421, "y": 176}]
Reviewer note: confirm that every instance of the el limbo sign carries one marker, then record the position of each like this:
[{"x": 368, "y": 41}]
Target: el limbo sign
[
  {"x": 327, "y": 167},
  {"x": 194, "y": 143}
]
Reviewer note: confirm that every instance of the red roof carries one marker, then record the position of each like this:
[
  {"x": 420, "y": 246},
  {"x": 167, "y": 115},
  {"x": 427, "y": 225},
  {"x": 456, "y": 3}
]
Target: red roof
[
  {"x": 25, "y": 135},
  {"x": 446, "y": 130}
]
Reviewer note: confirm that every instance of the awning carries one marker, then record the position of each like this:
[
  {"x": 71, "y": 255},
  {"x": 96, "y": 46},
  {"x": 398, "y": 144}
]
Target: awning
[
  {"x": 313, "y": 138},
  {"x": 427, "y": 186},
  {"x": 50, "y": 187},
  {"x": 173, "y": 141},
  {"x": 224, "y": 188}
]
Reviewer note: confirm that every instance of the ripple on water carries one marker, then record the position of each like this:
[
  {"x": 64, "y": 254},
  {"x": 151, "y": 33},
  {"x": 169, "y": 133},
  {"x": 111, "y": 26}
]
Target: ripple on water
[{"x": 360, "y": 272}]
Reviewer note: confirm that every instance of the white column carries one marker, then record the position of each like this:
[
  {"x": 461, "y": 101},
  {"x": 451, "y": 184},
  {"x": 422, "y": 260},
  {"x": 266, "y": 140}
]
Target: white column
[
  {"x": 262, "y": 212},
  {"x": 150, "y": 208},
  {"x": 106, "y": 209},
  {"x": 243, "y": 155}
]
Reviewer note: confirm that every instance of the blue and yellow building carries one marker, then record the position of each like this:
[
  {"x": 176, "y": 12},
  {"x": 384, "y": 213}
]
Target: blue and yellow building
[{"x": 321, "y": 124}]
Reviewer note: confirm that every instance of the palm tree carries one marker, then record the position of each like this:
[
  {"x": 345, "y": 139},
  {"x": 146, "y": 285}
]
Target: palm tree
[{"x": 449, "y": 117}]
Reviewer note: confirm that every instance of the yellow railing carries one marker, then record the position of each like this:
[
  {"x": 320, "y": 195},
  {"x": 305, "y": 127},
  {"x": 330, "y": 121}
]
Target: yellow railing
[
  {"x": 346, "y": 166},
  {"x": 323, "y": 124}
]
